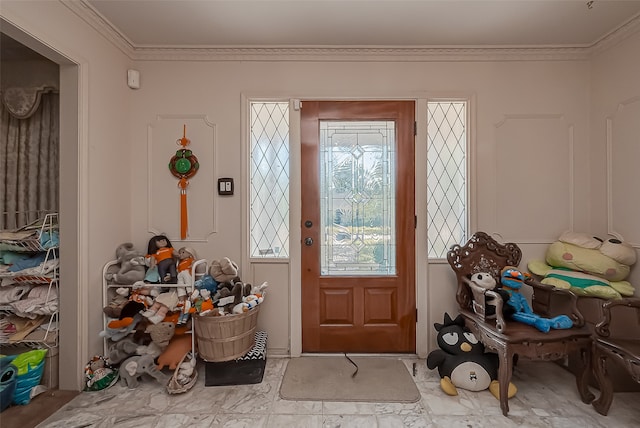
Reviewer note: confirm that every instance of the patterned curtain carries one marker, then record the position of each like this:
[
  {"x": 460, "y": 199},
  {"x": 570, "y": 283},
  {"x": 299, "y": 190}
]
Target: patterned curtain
[{"x": 29, "y": 155}]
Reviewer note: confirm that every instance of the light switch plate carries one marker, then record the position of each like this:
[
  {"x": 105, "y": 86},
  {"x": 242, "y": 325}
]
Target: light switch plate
[
  {"x": 133, "y": 79},
  {"x": 225, "y": 186}
]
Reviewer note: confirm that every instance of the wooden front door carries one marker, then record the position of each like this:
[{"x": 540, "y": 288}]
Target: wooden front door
[{"x": 358, "y": 226}]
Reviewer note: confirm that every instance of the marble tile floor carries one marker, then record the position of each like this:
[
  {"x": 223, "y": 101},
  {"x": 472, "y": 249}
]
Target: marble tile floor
[{"x": 547, "y": 397}]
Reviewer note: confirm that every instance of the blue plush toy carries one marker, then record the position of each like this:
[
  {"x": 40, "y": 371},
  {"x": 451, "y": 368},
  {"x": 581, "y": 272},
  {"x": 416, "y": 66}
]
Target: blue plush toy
[
  {"x": 512, "y": 280},
  {"x": 8, "y": 381},
  {"x": 207, "y": 282}
]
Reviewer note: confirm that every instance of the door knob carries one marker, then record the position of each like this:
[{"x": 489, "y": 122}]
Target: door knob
[{"x": 308, "y": 241}]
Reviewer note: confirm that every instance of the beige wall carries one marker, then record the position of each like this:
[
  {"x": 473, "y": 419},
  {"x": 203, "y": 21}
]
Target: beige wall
[
  {"x": 532, "y": 132},
  {"x": 615, "y": 124},
  {"x": 102, "y": 174},
  {"x": 537, "y": 166}
]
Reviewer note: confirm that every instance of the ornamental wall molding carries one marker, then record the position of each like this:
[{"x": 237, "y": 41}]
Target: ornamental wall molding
[{"x": 346, "y": 53}]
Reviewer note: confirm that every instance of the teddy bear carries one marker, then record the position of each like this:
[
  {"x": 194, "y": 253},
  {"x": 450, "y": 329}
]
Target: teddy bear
[
  {"x": 128, "y": 269},
  {"x": 587, "y": 265},
  {"x": 223, "y": 270},
  {"x": 161, "y": 333},
  {"x": 462, "y": 361}
]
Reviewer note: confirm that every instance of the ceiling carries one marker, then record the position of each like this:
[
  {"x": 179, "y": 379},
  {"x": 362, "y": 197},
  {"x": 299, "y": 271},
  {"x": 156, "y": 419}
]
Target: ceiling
[
  {"x": 140, "y": 26},
  {"x": 338, "y": 23}
]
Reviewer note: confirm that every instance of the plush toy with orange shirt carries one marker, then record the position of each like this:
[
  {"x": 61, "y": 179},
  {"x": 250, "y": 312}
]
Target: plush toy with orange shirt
[{"x": 161, "y": 254}]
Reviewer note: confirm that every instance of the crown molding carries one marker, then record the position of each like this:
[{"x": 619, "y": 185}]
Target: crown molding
[
  {"x": 346, "y": 53},
  {"x": 101, "y": 24},
  {"x": 627, "y": 29},
  {"x": 356, "y": 54}
]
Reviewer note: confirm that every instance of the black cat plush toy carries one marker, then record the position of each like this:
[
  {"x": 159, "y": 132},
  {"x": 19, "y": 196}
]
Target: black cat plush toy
[{"x": 461, "y": 360}]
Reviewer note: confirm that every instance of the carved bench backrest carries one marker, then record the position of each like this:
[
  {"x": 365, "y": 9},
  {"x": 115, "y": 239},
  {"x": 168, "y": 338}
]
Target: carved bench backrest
[{"x": 481, "y": 253}]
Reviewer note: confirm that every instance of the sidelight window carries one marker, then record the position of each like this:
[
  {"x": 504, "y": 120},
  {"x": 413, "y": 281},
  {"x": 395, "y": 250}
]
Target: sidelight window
[
  {"x": 447, "y": 203},
  {"x": 269, "y": 180}
]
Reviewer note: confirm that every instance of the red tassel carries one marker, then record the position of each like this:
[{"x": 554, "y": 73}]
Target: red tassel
[
  {"x": 184, "y": 226},
  {"x": 183, "y": 215}
]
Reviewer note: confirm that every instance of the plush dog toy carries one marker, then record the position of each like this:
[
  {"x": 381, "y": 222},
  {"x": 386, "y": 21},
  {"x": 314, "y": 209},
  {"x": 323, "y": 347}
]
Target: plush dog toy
[
  {"x": 512, "y": 280},
  {"x": 588, "y": 266},
  {"x": 462, "y": 361}
]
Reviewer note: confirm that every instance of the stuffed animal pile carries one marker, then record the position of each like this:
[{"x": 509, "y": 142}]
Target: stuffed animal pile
[
  {"x": 588, "y": 266},
  {"x": 149, "y": 322},
  {"x": 221, "y": 292},
  {"x": 515, "y": 305}
]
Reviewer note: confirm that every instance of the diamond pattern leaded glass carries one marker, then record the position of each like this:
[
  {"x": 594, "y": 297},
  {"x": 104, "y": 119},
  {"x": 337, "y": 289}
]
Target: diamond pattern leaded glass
[
  {"x": 446, "y": 176},
  {"x": 269, "y": 169},
  {"x": 357, "y": 197}
]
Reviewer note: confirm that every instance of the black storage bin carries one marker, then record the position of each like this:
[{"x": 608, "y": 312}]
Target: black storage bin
[{"x": 245, "y": 370}]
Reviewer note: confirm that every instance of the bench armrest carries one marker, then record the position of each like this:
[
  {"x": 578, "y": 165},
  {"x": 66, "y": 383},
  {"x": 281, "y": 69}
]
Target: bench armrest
[{"x": 550, "y": 301}]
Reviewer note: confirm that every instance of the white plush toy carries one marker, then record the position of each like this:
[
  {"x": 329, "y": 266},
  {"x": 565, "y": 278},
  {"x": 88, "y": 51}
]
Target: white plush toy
[
  {"x": 259, "y": 289},
  {"x": 248, "y": 302},
  {"x": 163, "y": 304},
  {"x": 186, "y": 369},
  {"x": 486, "y": 281}
]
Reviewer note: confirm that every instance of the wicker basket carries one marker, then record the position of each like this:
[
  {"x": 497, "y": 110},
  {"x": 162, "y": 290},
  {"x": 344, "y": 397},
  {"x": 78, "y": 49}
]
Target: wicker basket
[
  {"x": 175, "y": 387},
  {"x": 227, "y": 337}
]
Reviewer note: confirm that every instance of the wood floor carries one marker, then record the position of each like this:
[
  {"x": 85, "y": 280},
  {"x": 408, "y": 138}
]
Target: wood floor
[{"x": 39, "y": 408}]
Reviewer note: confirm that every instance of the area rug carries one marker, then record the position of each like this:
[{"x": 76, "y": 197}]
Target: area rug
[{"x": 376, "y": 379}]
